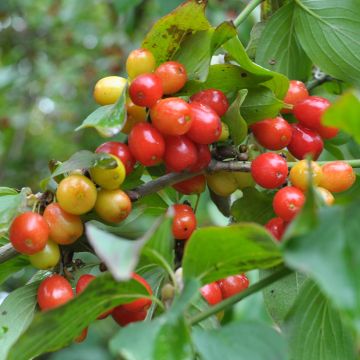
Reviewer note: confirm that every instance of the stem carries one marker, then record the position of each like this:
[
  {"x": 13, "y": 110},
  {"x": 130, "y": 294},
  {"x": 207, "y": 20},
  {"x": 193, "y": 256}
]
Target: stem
[
  {"x": 260, "y": 285},
  {"x": 314, "y": 83},
  {"x": 246, "y": 11}
]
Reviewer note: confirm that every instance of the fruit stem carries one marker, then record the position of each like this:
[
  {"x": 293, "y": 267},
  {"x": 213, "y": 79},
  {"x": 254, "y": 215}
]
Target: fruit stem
[
  {"x": 248, "y": 9},
  {"x": 260, "y": 285}
]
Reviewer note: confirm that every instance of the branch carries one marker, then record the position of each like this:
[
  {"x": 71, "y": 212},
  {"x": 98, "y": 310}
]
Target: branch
[
  {"x": 319, "y": 81},
  {"x": 248, "y": 9},
  {"x": 7, "y": 252}
]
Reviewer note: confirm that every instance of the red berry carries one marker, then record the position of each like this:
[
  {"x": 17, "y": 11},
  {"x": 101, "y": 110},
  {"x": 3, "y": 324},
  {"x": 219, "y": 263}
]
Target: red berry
[
  {"x": 297, "y": 92},
  {"x": 29, "y": 233},
  {"x": 214, "y": 99},
  {"x": 206, "y": 124},
  {"x": 269, "y": 170},
  {"x": 124, "y": 317},
  {"x": 305, "y": 142},
  {"x": 121, "y": 151},
  {"x": 194, "y": 185},
  {"x": 146, "y": 90},
  {"x": 184, "y": 222},
  {"x": 288, "y": 202},
  {"x": 309, "y": 113},
  {"x": 171, "y": 116},
  {"x": 180, "y": 153},
  {"x": 276, "y": 227},
  {"x": 232, "y": 285},
  {"x": 54, "y": 291},
  {"x": 146, "y": 144},
  {"x": 211, "y": 293},
  {"x": 273, "y": 134},
  {"x": 173, "y": 76},
  {"x": 203, "y": 158}
]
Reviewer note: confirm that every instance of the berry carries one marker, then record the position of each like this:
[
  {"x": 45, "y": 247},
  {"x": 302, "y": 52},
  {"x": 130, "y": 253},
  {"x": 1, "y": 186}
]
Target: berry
[
  {"x": 54, "y": 291},
  {"x": 215, "y": 99},
  {"x": 76, "y": 194},
  {"x": 184, "y": 222},
  {"x": 146, "y": 144},
  {"x": 222, "y": 183},
  {"x": 180, "y": 153},
  {"x": 287, "y": 202},
  {"x": 206, "y": 124},
  {"x": 108, "y": 90},
  {"x": 146, "y": 90},
  {"x": 276, "y": 227},
  {"x": 232, "y": 285},
  {"x": 171, "y": 116},
  {"x": 297, "y": 92},
  {"x": 121, "y": 151},
  {"x": 299, "y": 174},
  {"x": 326, "y": 196},
  {"x": 47, "y": 258},
  {"x": 194, "y": 185},
  {"x": 173, "y": 76},
  {"x": 134, "y": 115},
  {"x": 203, "y": 158},
  {"x": 211, "y": 293},
  {"x": 109, "y": 179},
  {"x": 65, "y": 228},
  {"x": 305, "y": 142},
  {"x": 140, "y": 61},
  {"x": 113, "y": 206},
  {"x": 29, "y": 233},
  {"x": 269, "y": 170},
  {"x": 337, "y": 176},
  {"x": 243, "y": 179},
  {"x": 124, "y": 317},
  {"x": 273, "y": 134}
]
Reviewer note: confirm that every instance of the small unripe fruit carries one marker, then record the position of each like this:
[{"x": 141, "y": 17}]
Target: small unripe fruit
[
  {"x": 108, "y": 90},
  {"x": 47, "y": 257}
]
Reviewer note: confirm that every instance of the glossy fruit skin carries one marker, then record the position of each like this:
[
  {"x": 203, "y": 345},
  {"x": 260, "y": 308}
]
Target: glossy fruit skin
[
  {"x": 121, "y": 151},
  {"x": 206, "y": 124},
  {"x": 173, "y": 76},
  {"x": 135, "y": 114},
  {"x": 146, "y": 90},
  {"x": 299, "y": 174},
  {"x": 180, "y": 153},
  {"x": 184, "y": 222},
  {"x": 211, "y": 293},
  {"x": 297, "y": 92},
  {"x": 305, "y": 142},
  {"x": 171, "y": 116},
  {"x": 326, "y": 195},
  {"x": 232, "y": 285},
  {"x": 203, "y": 158},
  {"x": 276, "y": 227},
  {"x": 287, "y": 202},
  {"x": 273, "y": 134},
  {"x": 47, "y": 257},
  {"x": 108, "y": 89},
  {"x": 215, "y": 99},
  {"x": 76, "y": 194},
  {"x": 269, "y": 170},
  {"x": 146, "y": 144},
  {"x": 337, "y": 176},
  {"x": 65, "y": 228},
  {"x": 29, "y": 233},
  {"x": 124, "y": 317},
  {"x": 225, "y": 132},
  {"x": 243, "y": 179},
  {"x": 142, "y": 303},
  {"x": 140, "y": 61},
  {"x": 194, "y": 185},
  {"x": 222, "y": 183},
  {"x": 109, "y": 179},
  {"x": 113, "y": 206},
  {"x": 54, "y": 291}
]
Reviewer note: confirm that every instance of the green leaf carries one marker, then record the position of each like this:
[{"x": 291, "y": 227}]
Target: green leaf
[
  {"x": 200, "y": 305},
  {"x": 344, "y": 114},
  {"x": 254, "y": 206},
  {"x": 237, "y": 125},
  {"x": 16, "y": 313},
  {"x": 55, "y": 329},
  {"x": 315, "y": 330},
  {"x": 213, "y": 253},
  {"x": 108, "y": 120},
  {"x": 165, "y": 37},
  {"x": 197, "y": 49},
  {"x": 240, "y": 341},
  {"x": 255, "y": 36},
  {"x": 279, "y": 49},
  {"x": 328, "y": 32},
  {"x": 11, "y": 266}
]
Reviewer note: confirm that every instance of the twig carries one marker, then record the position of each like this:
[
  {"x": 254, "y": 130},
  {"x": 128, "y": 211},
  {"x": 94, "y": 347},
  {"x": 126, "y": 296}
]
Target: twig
[{"x": 248, "y": 9}]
